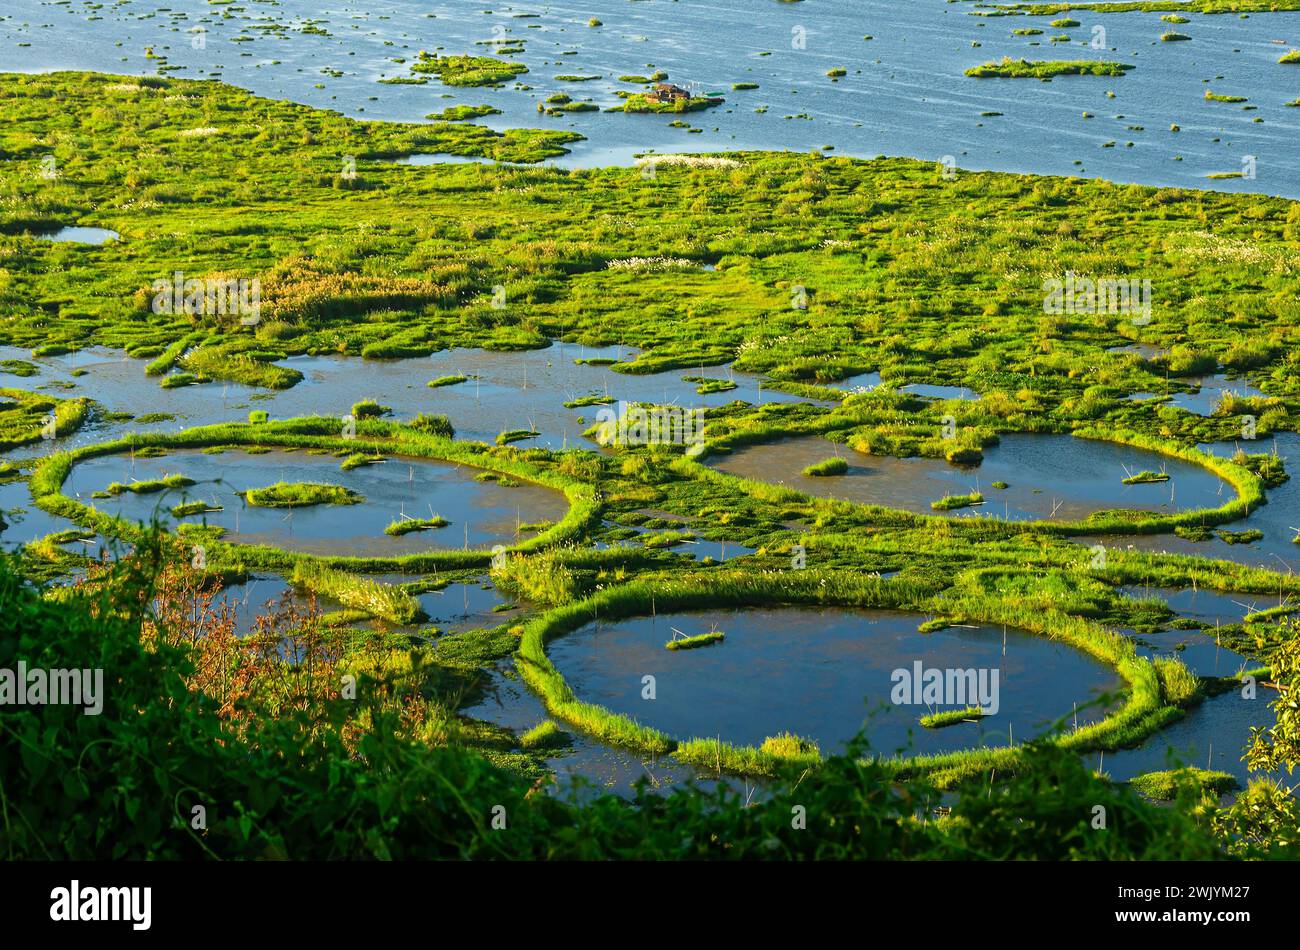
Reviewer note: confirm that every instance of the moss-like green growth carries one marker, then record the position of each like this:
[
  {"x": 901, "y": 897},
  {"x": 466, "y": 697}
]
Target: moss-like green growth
[
  {"x": 187, "y": 508},
  {"x": 545, "y": 735},
  {"x": 516, "y": 435},
  {"x": 462, "y": 113},
  {"x": 637, "y": 102},
  {"x": 468, "y": 70},
  {"x": 358, "y": 459},
  {"x": 150, "y": 486},
  {"x": 951, "y": 717},
  {"x": 1164, "y": 786},
  {"x": 359, "y": 593},
  {"x": 449, "y": 380},
  {"x": 301, "y": 494},
  {"x": 1145, "y": 478},
  {"x": 1290, "y": 56},
  {"x": 830, "y": 466},
  {"x": 694, "y": 642},
  {"x": 19, "y": 368},
  {"x": 951, "y": 502},
  {"x": 1247, "y": 536},
  {"x": 407, "y": 525},
  {"x": 936, "y": 624},
  {"x": 1010, "y": 68}
]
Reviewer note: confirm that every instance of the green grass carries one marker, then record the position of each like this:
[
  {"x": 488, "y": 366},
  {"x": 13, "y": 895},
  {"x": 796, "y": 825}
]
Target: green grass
[
  {"x": 358, "y": 460},
  {"x": 1145, "y": 477},
  {"x": 951, "y": 717},
  {"x": 359, "y": 593},
  {"x": 545, "y": 735},
  {"x": 300, "y": 495},
  {"x": 696, "y": 641},
  {"x": 467, "y": 70},
  {"x": 462, "y": 113},
  {"x": 1248, "y": 536},
  {"x": 951, "y": 502},
  {"x": 1010, "y": 68},
  {"x": 188, "y": 508},
  {"x": 407, "y": 525},
  {"x": 150, "y": 486},
  {"x": 637, "y": 102},
  {"x": 830, "y": 466},
  {"x": 516, "y": 435},
  {"x": 921, "y": 279},
  {"x": 449, "y": 380},
  {"x": 1164, "y": 786}
]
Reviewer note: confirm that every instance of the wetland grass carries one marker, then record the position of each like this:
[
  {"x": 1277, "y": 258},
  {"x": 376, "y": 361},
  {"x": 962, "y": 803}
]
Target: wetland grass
[
  {"x": 682, "y": 641},
  {"x": 1009, "y": 68},
  {"x": 827, "y": 467},
  {"x": 301, "y": 495},
  {"x": 405, "y": 526},
  {"x": 951, "y": 717}
]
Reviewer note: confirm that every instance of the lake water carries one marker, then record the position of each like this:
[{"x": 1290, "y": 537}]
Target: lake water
[
  {"x": 481, "y": 514},
  {"x": 903, "y": 92},
  {"x": 822, "y": 674},
  {"x": 515, "y": 390},
  {"x": 1049, "y": 476}
]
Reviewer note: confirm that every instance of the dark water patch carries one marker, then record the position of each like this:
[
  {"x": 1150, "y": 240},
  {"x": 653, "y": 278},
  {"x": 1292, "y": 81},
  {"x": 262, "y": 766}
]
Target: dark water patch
[
  {"x": 821, "y": 674},
  {"x": 516, "y": 390},
  {"x": 1213, "y": 735},
  {"x": 1049, "y": 476},
  {"x": 481, "y": 514}
]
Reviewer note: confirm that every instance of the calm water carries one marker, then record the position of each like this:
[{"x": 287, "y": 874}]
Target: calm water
[
  {"x": 481, "y": 514},
  {"x": 904, "y": 92},
  {"x": 518, "y": 390},
  {"x": 1048, "y": 476},
  {"x": 1279, "y": 519},
  {"x": 821, "y": 674},
  {"x": 78, "y": 235}
]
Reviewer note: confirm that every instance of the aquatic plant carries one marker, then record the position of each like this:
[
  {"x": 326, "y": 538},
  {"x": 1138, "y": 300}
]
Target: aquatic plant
[
  {"x": 1010, "y": 68},
  {"x": 300, "y": 494}
]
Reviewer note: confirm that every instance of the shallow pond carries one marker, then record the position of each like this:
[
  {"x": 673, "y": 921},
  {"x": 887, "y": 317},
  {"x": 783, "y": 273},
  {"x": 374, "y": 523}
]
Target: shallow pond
[
  {"x": 1206, "y": 399},
  {"x": 1279, "y": 519},
  {"x": 1049, "y": 476},
  {"x": 481, "y": 514},
  {"x": 78, "y": 235},
  {"x": 821, "y": 674},
  {"x": 1212, "y": 735},
  {"x": 507, "y": 702},
  {"x": 517, "y": 390}
]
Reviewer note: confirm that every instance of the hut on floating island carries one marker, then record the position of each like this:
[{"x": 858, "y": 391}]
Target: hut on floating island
[{"x": 667, "y": 92}]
